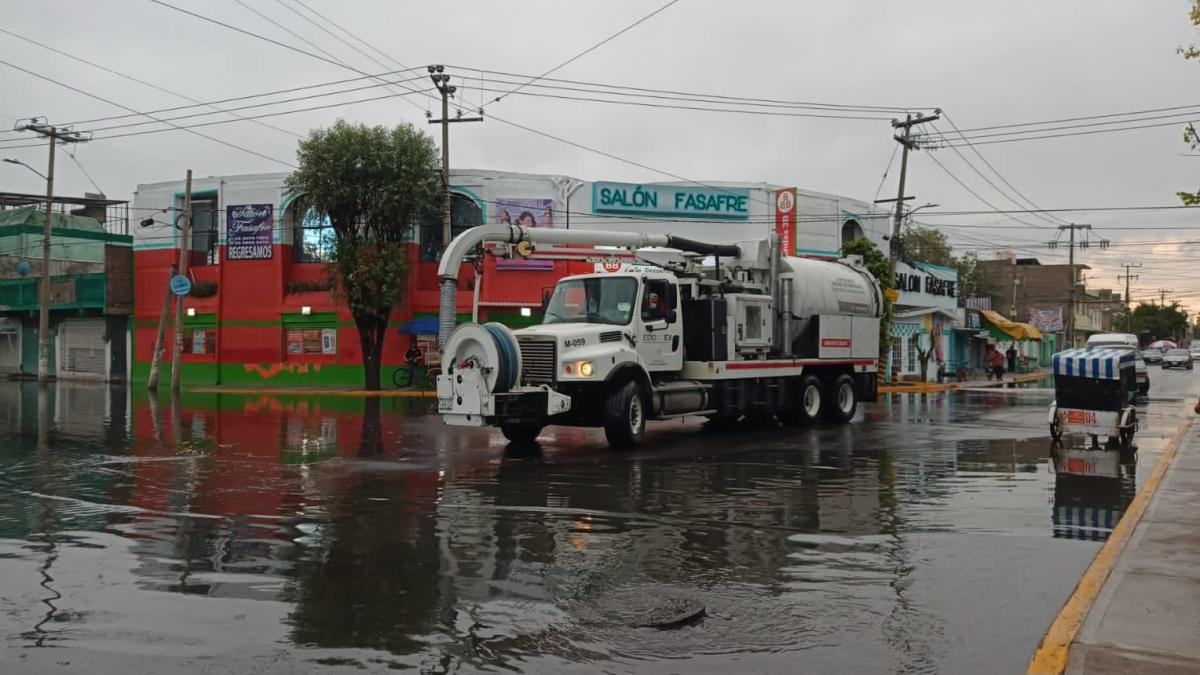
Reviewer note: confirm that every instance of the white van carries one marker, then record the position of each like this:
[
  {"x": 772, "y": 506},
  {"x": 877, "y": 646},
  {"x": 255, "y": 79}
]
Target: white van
[{"x": 1125, "y": 340}]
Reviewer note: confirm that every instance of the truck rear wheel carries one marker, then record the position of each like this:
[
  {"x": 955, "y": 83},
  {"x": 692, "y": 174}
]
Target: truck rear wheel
[
  {"x": 517, "y": 432},
  {"x": 806, "y": 405},
  {"x": 625, "y": 416},
  {"x": 841, "y": 400}
]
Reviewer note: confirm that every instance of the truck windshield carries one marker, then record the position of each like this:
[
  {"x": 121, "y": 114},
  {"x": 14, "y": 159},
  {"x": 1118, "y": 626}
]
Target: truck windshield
[{"x": 592, "y": 300}]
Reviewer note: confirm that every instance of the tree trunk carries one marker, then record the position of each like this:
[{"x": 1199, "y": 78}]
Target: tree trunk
[{"x": 372, "y": 328}]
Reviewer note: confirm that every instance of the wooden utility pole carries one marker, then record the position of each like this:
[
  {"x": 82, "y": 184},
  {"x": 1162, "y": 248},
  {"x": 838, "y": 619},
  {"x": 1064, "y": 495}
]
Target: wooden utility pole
[
  {"x": 184, "y": 253},
  {"x": 1072, "y": 227},
  {"x": 1162, "y": 299},
  {"x": 906, "y": 144},
  {"x": 1127, "y": 277},
  {"x": 54, "y": 135},
  {"x": 442, "y": 82},
  {"x": 160, "y": 338}
]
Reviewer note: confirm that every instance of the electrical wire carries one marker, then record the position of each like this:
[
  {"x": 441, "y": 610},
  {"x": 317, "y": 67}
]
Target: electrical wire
[
  {"x": 125, "y": 107},
  {"x": 976, "y": 194},
  {"x": 589, "y": 50}
]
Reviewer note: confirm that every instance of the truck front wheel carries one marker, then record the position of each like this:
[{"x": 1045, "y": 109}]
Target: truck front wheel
[
  {"x": 517, "y": 432},
  {"x": 625, "y": 416},
  {"x": 841, "y": 400}
]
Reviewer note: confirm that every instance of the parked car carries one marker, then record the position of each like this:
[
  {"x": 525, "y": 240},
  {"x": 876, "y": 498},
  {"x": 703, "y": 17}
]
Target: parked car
[
  {"x": 1194, "y": 348},
  {"x": 1177, "y": 358},
  {"x": 1126, "y": 341},
  {"x": 1152, "y": 355}
]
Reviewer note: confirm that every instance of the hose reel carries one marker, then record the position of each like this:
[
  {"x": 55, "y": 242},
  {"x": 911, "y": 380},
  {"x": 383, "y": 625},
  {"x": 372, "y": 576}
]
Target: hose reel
[{"x": 491, "y": 348}]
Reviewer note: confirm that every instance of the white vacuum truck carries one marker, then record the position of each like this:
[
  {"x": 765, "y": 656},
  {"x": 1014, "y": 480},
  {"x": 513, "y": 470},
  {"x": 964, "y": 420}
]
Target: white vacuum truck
[{"x": 718, "y": 330}]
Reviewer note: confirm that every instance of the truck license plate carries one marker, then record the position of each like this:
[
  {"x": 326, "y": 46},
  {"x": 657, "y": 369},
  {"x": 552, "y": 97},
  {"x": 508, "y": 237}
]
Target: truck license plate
[{"x": 445, "y": 404}]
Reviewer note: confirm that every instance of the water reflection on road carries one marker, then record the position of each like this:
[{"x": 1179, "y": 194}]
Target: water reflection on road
[{"x": 288, "y": 534}]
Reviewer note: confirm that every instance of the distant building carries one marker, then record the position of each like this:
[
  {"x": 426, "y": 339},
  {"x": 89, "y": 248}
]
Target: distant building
[{"x": 91, "y": 286}]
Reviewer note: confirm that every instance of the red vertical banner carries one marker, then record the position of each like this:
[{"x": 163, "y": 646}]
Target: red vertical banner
[{"x": 785, "y": 220}]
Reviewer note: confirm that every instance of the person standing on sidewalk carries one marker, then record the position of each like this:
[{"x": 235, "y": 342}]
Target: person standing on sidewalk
[
  {"x": 996, "y": 364},
  {"x": 413, "y": 357},
  {"x": 1011, "y": 355}
]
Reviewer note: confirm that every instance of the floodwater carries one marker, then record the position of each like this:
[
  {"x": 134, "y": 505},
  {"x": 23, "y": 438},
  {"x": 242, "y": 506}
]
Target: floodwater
[{"x": 235, "y": 533}]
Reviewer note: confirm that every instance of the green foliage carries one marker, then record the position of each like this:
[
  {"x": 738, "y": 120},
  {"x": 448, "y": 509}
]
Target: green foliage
[
  {"x": 973, "y": 281},
  {"x": 881, "y": 268},
  {"x": 309, "y": 286},
  {"x": 374, "y": 184},
  {"x": 927, "y": 245},
  {"x": 1163, "y": 322},
  {"x": 1191, "y": 53}
]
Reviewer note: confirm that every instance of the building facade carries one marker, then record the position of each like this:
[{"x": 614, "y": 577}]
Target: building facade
[
  {"x": 91, "y": 268},
  {"x": 261, "y": 310}
]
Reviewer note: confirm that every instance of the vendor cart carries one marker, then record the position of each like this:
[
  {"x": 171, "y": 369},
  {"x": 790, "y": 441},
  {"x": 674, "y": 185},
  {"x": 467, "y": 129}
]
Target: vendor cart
[{"x": 1093, "y": 394}]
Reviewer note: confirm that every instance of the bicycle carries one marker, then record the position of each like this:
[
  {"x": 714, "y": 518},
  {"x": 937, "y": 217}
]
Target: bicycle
[{"x": 426, "y": 382}]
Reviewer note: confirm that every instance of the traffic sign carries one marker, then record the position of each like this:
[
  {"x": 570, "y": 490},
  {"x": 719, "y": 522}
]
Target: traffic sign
[{"x": 181, "y": 285}]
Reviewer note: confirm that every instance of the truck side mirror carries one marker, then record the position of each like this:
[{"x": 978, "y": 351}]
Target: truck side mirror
[{"x": 671, "y": 316}]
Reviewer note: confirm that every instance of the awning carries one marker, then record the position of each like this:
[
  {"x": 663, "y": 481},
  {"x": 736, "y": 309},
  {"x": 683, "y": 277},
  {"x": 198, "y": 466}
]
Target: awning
[
  {"x": 1011, "y": 329},
  {"x": 424, "y": 325}
]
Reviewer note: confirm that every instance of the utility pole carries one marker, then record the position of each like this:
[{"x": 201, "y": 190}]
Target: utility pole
[
  {"x": 39, "y": 126},
  {"x": 1127, "y": 277},
  {"x": 1162, "y": 292},
  {"x": 906, "y": 144},
  {"x": 442, "y": 81},
  {"x": 184, "y": 254},
  {"x": 1084, "y": 243}
]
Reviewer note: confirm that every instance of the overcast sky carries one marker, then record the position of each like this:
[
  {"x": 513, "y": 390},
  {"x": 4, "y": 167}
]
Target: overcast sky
[{"x": 983, "y": 63}]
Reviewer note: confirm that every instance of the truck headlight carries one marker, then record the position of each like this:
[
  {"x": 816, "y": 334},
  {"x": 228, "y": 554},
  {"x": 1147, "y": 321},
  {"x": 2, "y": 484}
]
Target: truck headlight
[{"x": 584, "y": 368}]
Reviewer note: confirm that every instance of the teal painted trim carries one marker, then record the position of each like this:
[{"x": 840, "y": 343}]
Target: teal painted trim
[
  {"x": 148, "y": 247},
  {"x": 475, "y": 198},
  {"x": 926, "y": 266},
  {"x": 68, "y": 232},
  {"x": 815, "y": 251}
]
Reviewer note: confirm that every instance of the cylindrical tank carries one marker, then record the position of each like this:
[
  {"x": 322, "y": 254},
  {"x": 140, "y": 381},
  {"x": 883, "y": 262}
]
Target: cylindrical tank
[{"x": 827, "y": 287}]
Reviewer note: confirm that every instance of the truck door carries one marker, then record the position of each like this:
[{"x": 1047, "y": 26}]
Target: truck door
[{"x": 660, "y": 340}]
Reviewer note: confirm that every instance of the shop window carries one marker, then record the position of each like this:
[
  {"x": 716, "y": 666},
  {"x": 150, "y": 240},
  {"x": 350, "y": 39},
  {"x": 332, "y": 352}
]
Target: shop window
[
  {"x": 200, "y": 340},
  {"x": 914, "y": 363},
  {"x": 464, "y": 214},
  {"x": 313, "y": 237},
  {"x": 897, "y": 352},
  {"x": 205, "y": 226},
  {"x": 310, "y": 335}
]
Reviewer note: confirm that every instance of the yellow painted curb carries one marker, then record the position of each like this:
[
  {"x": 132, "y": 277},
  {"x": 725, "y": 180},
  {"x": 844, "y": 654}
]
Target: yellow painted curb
[
  {"x": 1052, "y": 654},
  {"x": 933, "y": 387},
  {"x": 353, "y": 393}
]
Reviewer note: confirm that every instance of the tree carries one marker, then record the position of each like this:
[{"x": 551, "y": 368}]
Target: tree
[
  {"x": 373, "y": 183},
  {"x": 1161, "y": 322},
  {"x": 1190, "y": 136},
  {"x": 927, "y": 245},
  {"x": 973, "y": 280},
  {"x": 924, "y": 353},
  {"x": 881, "y": 268}
]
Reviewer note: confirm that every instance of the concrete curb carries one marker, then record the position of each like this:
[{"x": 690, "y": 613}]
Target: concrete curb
[{"x": 934, "y": 387}]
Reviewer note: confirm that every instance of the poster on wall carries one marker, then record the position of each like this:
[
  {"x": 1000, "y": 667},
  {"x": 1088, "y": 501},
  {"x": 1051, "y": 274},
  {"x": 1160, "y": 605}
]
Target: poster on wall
[
  {"x": 525, "y": 213},
  {"x": 295, "y": 341},
  {"x": 328, "y": 340},
  {"x": 1047, "y": 319},
  {"x": 198, "y": 336},
  {"x": 249, "y": 232}
]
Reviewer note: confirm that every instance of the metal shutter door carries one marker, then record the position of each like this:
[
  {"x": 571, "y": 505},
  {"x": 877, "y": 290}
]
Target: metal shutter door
[{"x": 83, "y": 344}]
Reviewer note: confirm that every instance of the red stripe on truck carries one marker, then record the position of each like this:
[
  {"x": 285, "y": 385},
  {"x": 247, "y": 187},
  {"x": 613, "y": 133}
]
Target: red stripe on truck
[{"x": 761, "y": 365}]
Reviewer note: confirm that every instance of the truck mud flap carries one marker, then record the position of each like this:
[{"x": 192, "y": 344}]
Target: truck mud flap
[{"x": 868, "y": 387}]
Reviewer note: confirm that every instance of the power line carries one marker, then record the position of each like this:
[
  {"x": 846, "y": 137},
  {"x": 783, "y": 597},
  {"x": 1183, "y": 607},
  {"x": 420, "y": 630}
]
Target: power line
[
  {"x": 125, "y": 107},
  {"x": 964, "y": 186},
  {"x": 589, "y": 50},
  {"x": 1081, "y": 133},
  {"x": 1028, "y": 201},
  {"x": 126, "y": 76}
]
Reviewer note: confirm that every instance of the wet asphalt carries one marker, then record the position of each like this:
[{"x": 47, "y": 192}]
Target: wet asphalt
[{"x": 245, "y": 533}]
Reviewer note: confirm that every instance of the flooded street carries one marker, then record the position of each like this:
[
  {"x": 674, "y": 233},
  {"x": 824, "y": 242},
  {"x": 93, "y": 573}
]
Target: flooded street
[{"x": 241, "y": 533}]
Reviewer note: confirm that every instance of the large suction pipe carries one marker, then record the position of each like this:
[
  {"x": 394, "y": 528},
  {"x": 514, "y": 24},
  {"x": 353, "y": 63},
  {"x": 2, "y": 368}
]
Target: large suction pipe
[{"x": 463, "y": 244}]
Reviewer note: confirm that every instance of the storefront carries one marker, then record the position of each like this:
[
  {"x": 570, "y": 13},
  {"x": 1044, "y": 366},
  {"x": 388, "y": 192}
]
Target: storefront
[
  {"x": 1004, "y": 333},
  {"x": 925, "y": 321},
  {"x": 261, "y": 310}
]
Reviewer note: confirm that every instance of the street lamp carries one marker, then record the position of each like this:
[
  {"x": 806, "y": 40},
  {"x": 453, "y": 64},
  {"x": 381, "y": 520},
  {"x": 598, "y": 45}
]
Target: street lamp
[
  {"x": 923, "y": 206},
  {"x": 17, "y": 161}
]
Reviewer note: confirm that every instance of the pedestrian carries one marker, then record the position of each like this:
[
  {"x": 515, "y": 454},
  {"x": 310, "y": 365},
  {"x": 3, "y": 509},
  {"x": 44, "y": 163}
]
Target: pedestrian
[
  {"x": 1011, "y": 354},
  {"x": 996, "y": 364},
  {"x": 413, "y": 357}
]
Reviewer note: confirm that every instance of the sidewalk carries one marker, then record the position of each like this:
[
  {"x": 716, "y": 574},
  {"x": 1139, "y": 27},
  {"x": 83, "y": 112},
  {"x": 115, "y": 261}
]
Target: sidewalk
[
  {"x": 932, "y": 387},
  {"x": 1146, "y": 617}
]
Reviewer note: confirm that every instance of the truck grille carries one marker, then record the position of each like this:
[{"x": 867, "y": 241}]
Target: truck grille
[
  {"x": 538, "y": 360},
  {"x": 610, "y": 336}
]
